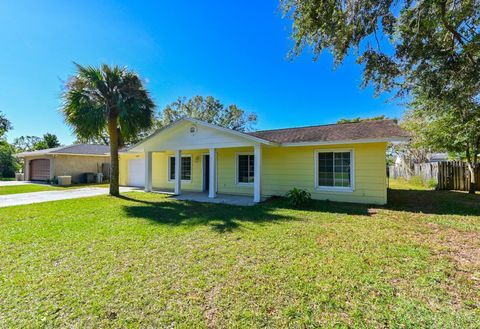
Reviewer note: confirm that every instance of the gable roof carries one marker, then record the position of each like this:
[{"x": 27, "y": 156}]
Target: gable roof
[
  {"x": 75, "y": 149},
  {"x": 381, "y": 130},
  {"x": 356, "y": 132},
  {"x": 205, "y": 124}
]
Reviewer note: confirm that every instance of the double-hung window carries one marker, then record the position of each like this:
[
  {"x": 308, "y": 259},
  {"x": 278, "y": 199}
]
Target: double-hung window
[
  {"x": 185, "y": 168},
  {"x": 245, "y": 168},
  {"x": 334, "y": 170}
]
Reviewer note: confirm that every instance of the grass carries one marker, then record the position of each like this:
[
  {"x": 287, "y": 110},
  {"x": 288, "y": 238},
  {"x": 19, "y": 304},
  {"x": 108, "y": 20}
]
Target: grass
[
  {"x": 145, "y": 260},
  {"x": 27, "y": 188}
]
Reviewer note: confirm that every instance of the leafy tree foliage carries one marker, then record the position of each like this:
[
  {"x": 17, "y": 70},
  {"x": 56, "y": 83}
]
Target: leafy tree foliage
[
  {"x": 51, "y": 140},
  {"x": 8, "y": 162},
  {"x": 402, "y": 44},
  {"x": 26, "y": 143},
  {"x": 32, "y": 143},
  {"x": 448, "y": 128},
  {"x": 210, "y": 110},
  {"x": 108, "y": 98},
  {"x": 358, "y": 119},
  {"x": 5, "y": 125}
]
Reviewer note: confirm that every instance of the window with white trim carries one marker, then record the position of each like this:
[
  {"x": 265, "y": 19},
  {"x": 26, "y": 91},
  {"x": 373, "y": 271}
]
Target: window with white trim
[
  {"x": 245, "y": 168},
  {"x": 334, "y": 169},
  {"x": 185, "y": 168}
]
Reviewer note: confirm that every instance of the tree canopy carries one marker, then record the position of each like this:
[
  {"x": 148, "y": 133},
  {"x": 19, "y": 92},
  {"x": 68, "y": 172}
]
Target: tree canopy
[
  {"x": 210, "y": 110},
  {"x": 5, "y": 125},
  {"x": 358, "y": 119},
  {"x": 8, "y": 162},
  {"x": 32, "y": 143},
  {"x": 402, "y": 44}
]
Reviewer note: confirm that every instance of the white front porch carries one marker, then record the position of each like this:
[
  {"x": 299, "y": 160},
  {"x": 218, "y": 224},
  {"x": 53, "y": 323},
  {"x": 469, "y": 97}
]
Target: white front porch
[
  {"x": 235, "y": 200},
  {"x": 208, "y": 189}
]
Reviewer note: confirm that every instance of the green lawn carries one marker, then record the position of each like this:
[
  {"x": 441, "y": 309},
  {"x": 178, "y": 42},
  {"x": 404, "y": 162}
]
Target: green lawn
[
  {"x": 145, "y": 260},
  {"x": 27, "y": 188}
]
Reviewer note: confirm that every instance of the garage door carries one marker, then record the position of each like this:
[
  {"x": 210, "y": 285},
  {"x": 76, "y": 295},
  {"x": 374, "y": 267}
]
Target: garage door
[
  {"x": 40, "y": 169},
  {"x": 136, "y": 172}
]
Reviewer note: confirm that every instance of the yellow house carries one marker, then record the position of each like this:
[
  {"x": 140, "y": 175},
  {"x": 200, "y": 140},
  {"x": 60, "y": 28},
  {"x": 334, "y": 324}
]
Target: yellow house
[{"x": 339, "y": 162}]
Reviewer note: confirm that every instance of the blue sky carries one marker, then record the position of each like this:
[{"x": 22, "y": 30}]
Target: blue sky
[{"x": 234, "y": 51}]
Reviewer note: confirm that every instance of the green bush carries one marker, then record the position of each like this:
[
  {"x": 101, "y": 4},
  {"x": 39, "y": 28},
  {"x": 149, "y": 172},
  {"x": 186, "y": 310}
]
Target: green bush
[{"x": 297, "y": 197}]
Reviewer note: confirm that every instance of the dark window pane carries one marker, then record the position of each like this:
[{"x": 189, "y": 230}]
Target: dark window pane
[
  {"x": 246, "y": 168},
  {"x": 334, "y": 169},
  {"x": 172, "y": 168},
  {"x": 186, "y": 168}
]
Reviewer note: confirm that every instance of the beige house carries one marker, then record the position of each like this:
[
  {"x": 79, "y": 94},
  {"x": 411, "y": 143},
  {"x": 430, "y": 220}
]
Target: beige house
[{"x": 73, "y": 160}]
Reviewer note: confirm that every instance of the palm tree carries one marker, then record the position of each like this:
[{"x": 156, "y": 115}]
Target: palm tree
[{"x": 107, "y": 98}]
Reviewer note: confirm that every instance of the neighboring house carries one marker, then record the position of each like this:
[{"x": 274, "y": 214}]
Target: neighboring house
[
  {"x": 74, "y": 160},
  {"x": 339, "y": 162}
]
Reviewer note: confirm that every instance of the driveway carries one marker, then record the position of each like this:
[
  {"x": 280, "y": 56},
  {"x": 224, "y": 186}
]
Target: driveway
[
  {"x": 37, "y": 197},
  {"x": 15, "y": 182}
]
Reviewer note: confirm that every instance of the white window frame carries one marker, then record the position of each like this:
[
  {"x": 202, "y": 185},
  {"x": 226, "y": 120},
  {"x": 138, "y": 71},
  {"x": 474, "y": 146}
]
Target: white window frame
[
  {"x": 237, "y": 157},
  {"x": 169, "y": 165},
  {"x": 351, "y": 188}
]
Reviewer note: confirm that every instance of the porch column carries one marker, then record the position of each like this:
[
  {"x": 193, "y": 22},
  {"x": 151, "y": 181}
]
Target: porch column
[
  {"x": 212, "y": 175},
  {"x": 257, "y": 173},
  {"x": 178, "y": 178},
  {"x": 148, "y": 171},
  {"x": 26, "y": 169}
]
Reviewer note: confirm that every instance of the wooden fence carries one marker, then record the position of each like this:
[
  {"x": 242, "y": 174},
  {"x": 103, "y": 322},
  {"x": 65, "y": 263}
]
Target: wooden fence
[
  {"x": 449, "y": 175},
  {"x": 454, "y": 175}
]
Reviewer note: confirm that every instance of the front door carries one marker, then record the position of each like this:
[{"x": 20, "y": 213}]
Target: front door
[{"x": 206, "y": 172}]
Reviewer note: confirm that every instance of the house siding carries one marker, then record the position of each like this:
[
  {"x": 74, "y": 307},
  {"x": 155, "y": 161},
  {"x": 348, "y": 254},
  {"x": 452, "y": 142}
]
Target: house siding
[
  {"x": 282, "y": 169},
  {"x": 72, "y": 165},
  {"x": 226, "y": 172},
  {"x": 77, "y": 165},
  {"x": 285, "y": 168}
]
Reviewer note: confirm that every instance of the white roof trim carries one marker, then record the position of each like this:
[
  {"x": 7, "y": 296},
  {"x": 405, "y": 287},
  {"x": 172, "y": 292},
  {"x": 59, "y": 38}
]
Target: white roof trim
[
  {"x": 205, "y": 124},
  {"x": 351, "y": 141}
]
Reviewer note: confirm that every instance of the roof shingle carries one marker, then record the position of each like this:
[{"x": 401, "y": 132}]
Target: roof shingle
[
  {"x": 84, "y": 149},
  {"x": 378, "y": 129}
]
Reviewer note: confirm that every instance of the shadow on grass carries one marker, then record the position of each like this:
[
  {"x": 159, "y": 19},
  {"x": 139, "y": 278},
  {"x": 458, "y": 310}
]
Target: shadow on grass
[
  {"x": 226, "y": 218},
  {"x": 434, "y": 202}
]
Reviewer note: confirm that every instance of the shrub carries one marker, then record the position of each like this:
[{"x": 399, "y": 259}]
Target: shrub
[{"x": 297, "y": 197}]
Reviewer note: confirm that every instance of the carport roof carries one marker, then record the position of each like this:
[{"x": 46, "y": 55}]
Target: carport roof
[{"x": 75, "y": 149}]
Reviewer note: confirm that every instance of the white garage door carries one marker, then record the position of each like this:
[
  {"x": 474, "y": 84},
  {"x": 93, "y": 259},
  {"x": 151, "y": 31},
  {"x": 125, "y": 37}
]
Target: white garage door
[{"x": 136, "y": 172}]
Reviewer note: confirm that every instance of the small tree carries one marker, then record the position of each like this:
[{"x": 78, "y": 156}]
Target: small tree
[
  {"x": 210, "y": 110},
  {"x": 8, "y": 162},
  {"x": 358, "y": 119},
  {"x": 451, "y": 129},
  {"x": 51, "y": 140},
  {"x": 111, "y": 98}
]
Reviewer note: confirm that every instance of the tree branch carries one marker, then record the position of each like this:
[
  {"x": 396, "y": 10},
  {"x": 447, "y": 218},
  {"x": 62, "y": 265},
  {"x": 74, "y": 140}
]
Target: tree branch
[{"x": 460, "y": 38}]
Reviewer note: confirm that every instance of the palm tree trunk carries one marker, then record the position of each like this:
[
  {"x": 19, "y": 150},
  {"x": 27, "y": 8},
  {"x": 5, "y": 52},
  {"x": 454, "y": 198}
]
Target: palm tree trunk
[{"x": 114, "y": 165}]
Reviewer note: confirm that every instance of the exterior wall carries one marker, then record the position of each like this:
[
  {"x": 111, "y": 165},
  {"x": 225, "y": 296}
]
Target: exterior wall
[
  {"x": 26, "y": 167},
  {"x": 160, "y": 170},
  {"x": 71, "y": 165},
  {"x": 227, "y": 172},
  {"x": 285, "y": 168},
  {"x": 282, "y": 169},
  {"x": 77, "y": 165}
]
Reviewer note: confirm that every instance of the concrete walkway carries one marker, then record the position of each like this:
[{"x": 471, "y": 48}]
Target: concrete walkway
[
  {"x": 37, "y": 197},
  {"x": 16, "y": 183},
  {"x": 235, "y": 200}
]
